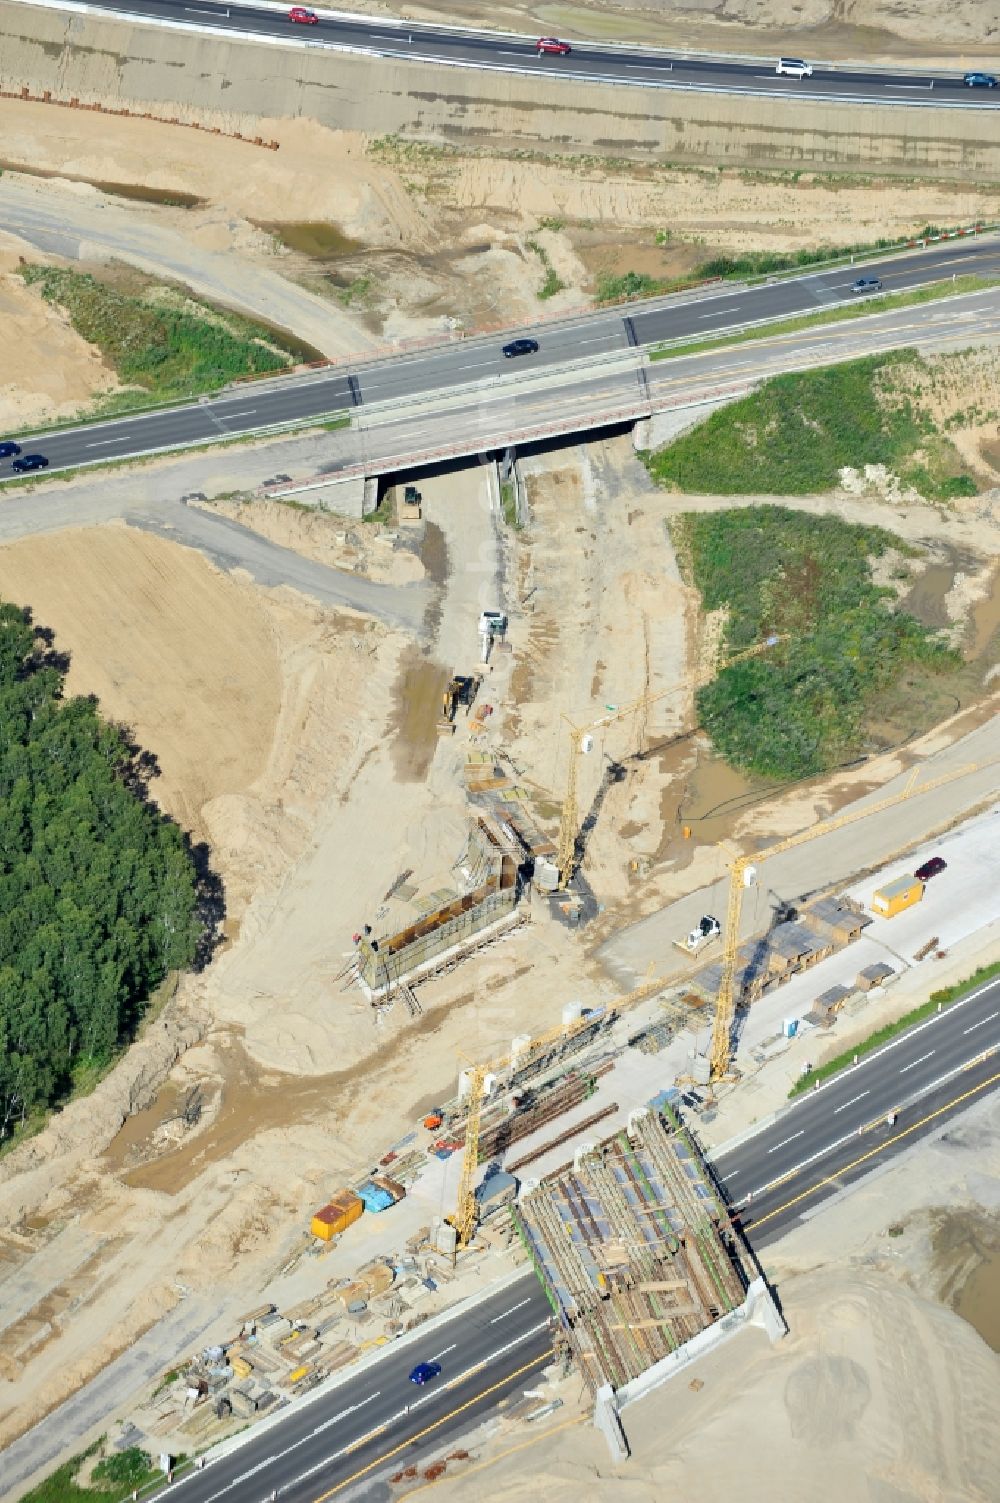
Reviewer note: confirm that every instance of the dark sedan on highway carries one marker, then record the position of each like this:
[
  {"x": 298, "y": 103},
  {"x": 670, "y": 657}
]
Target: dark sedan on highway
[
  {"x": 520, "y": 347},
  {"x": 9, "y": 448},
  {"x": 30, "y": 462},
  {"x": 980, "y": 81}
]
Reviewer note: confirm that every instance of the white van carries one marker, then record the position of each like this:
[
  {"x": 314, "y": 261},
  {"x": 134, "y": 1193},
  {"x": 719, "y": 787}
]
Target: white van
[{"x": 794, "y": 67}]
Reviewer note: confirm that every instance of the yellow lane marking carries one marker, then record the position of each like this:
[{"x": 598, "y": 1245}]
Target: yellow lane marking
[
  {"x": 578, "y": 1419},
  {"x": 404, "y": 1445},
  {"x": 832, "y": 1179}
]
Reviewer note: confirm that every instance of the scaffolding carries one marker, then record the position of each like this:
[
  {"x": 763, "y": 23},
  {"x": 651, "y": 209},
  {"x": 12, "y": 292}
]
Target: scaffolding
[
  {"x": 386, "y": 961},
  {"x": 634, "y": 1248}
]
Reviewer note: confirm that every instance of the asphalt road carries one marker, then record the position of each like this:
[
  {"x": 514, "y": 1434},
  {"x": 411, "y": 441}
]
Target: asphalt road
[
  {"x": 463, "y": 362},
  {"x": 620, "y": 65},
  {"x": 377, "y": 1422},
  {"x": 833, "y": 1136},
  {"x": 378, "y": 1418}
]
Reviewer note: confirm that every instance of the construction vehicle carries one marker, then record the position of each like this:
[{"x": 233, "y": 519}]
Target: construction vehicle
[
  {"x": 581, "y": 742},
  {"x": 743, "y": 875},
  {"x": 708, "y": 928},
  {"x": 461, "y": 691},
  {"x": 492, "y": 627}
]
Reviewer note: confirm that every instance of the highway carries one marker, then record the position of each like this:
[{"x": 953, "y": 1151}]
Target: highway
[
  {"x": 596, "y": 62},
  {"x": 833, "y": 1136},
  {"x": 378, "y": 1420},
  {"x": 463, "y": 362}
]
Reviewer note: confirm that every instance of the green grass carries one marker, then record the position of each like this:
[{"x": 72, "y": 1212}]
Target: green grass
[
  {"x": 805, "y": 706},
  {"x": 886, "y": 303},
  {"x": 357, "y": 291},
  {"x": 881, "y": 1036},
  {"x": 170, "y": 349},
  {"x": 765, "y": 263},
  {"x": 630, "y": 284},
  {"x": 551, "y": 284},
  {"x": 794, "y": 434},
  {"x": 508, "y": 501},
  {"x": 112, "y": 1479}
]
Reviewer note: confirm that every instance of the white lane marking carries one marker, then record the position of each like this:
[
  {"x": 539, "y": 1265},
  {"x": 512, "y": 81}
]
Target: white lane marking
[
  {"x": 103, "y": 443},
  {"x": 242, "y": 412},
  {"x": 988, "y": 1019},
  {"x": 914, "y": 1062},
  {"x": 798, "y": 1134},
  {"x": 355, "y": 1445},
  {"x": 850, "y": 1103},
  {"x": 345, "y": 1412},
  {"x": 519, "y": 1306},
  {"x": 447, "y": 1349}
]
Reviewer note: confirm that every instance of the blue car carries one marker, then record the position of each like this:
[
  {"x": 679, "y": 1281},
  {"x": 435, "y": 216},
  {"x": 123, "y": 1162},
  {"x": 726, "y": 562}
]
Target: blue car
[
  {"x": 30, "y": 462},
  {"x": 424, "y": 1372},
  {"x": 7, "y": 448},
  {"x": 980, "y": 81}
]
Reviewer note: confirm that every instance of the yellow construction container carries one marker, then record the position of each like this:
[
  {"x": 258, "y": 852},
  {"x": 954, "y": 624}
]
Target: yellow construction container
[
  {"x": 298, "y": 1374},
  {"x": 896, "y": 896},
  {"x": 240, "y": 1366},
  {"x": 344, "y": 1208}
]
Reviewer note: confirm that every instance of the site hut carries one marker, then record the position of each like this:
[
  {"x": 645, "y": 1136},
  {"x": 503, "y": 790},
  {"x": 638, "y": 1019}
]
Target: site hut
[{"x": 895, "y": 896}]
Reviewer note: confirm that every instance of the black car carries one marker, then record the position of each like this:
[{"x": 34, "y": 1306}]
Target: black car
[
  {"x": 931, "y": 868},
  {"x": 520, "y": 347},
  {"x": 8, "y": 447},
  {"x": 30, "y": 462},
  {"x": 980, "y": 81},
  {"x": 867, "y": 284}
]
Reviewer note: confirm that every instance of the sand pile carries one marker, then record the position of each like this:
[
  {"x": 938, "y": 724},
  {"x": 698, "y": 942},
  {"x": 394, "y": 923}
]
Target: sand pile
[
  {"x": 48, "y": 371},
  {"x": 878, "y": 1395}
]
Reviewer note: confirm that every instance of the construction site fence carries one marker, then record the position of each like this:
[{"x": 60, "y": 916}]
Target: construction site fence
[{"x": 75, "y": 103}]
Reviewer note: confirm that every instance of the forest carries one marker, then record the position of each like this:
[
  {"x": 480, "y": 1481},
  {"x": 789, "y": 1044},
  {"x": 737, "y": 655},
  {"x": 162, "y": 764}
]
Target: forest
[{"x": 100, "y": 894}]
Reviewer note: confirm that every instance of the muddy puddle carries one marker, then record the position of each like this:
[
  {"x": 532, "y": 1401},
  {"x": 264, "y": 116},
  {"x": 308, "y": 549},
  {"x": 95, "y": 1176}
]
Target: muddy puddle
[
  {"x": 703, "y": 795},
  {"x": 926, "y": 599},
  {"x": 413, "y": 726},
  {"x": 137, "y": 1131},
  {"x": 314, "y": 238},
  {"x": 172, "y": 198},
  {"x": 252, "y": 1100},
  {"x": 984, "y": 625},
  {"x": 979, "y": 1301}
]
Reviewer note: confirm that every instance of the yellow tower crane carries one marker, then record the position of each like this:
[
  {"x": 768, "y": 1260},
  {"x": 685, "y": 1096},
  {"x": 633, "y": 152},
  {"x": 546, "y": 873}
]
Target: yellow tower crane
[
  {"x": 569, "y": 822},
  {"x": 464, "y": 1219},
  {"x": 740, "y": 870}
]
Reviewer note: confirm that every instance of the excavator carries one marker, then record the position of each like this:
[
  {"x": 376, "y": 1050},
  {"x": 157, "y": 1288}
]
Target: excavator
[{"x": 461, "y": 691}]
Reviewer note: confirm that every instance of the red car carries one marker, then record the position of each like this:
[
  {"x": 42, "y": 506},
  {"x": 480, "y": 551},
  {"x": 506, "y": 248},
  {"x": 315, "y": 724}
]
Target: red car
[
  {"x": 553, "y": 45},
  {"x": 302, "y": 16}
]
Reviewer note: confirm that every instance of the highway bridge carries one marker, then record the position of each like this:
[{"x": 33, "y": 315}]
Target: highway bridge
[
  {"x": 595, "y": 62},
  {"x": 572, "y": 351},
  {"x": 375, "y": 1422}
]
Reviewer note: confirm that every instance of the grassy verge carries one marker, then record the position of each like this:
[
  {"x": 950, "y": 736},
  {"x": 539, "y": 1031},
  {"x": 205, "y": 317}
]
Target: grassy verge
[
  {"x": 508, "y": 501},
  {"x": 794, "y": 435},
  {"x": 169, "y": 345},
  {"x": 886, "y": 303},
  {"x": 112, "y": 1479},
  {"x": 551, "y": 285},
  {"x": 807, "y": 705},
  {"x": 882, "y": 1036}
]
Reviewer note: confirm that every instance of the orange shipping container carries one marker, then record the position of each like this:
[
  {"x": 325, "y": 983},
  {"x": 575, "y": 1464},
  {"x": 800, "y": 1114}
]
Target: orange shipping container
[{"x": 330, "y": 1220}]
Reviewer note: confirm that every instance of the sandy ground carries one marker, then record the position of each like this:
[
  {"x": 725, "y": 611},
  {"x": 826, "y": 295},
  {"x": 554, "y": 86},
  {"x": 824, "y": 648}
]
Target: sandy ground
[
  {"x": 48, "y": 371},
  {"x": 280, "y": 727},
  {"x": 398, "y": 239},
  {"x": 880, "y": 1392}
]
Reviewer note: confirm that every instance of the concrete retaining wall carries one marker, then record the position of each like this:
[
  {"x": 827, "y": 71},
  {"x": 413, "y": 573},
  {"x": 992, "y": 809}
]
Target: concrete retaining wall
[{"x": 238, "y": 84}]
